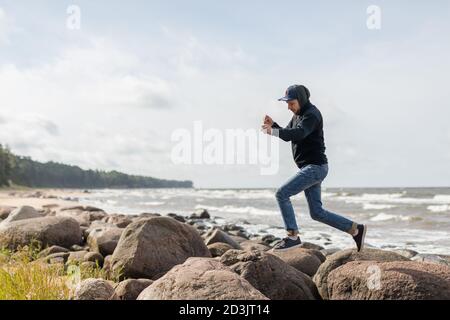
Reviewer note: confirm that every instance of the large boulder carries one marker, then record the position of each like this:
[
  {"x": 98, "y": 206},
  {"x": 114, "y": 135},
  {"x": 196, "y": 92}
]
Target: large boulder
[
  {"x": 104, "y": 239},
  {"x": 150, "y": 247},
  {"x": 272, "y": 276},
  {"x": 217, "y": 235},
  {"x": 398, "y": 280},
  {"x": 94, "y": 289},
  {"x": 48, "y": 231},
  {"x": 22, "y": 213},
  {"x": 304, "y": 260},
  {"x": 201, "y": 279},
  {"x": 342, "y": 257},
  {"x": 131, "y": 288},
  {"x": 82, "y": 217}
]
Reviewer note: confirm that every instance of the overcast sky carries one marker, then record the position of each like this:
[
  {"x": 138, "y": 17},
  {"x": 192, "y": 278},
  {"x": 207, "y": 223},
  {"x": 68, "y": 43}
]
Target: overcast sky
[{"x": 109, "y": 95}]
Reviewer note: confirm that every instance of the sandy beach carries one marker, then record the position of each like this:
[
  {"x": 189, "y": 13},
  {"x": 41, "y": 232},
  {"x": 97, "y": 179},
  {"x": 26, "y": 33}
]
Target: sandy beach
[{"x": 39, "y": 198}]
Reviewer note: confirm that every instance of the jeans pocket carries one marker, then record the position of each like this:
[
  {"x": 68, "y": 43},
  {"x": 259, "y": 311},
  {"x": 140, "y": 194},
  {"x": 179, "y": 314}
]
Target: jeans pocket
[{"x": 320, "y": 171}]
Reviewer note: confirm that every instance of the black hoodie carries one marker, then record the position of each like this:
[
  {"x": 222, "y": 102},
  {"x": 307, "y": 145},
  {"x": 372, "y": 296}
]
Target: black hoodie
[{"x": 305, "y": 131}]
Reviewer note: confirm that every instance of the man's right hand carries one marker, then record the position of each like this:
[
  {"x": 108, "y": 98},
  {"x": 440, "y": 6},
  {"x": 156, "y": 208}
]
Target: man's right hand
[{"x": 268, "y": 120}]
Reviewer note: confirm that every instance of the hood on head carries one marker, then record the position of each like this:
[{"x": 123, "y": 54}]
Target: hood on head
[{"x": 302, "y": 94}]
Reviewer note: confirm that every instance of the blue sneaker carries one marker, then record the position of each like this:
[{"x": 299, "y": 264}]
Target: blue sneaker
[{"x": 287, "y": 243}]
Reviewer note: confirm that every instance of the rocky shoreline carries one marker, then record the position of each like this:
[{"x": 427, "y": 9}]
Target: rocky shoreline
[{"x": 195, "y": 257}]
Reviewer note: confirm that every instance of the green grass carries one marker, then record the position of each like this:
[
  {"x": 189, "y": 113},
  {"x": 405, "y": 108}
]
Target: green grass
[{"x": 23, "y": 277}]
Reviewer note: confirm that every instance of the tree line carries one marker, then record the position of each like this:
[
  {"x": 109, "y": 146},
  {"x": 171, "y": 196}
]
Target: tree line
[{"x": 24, "y": 171}]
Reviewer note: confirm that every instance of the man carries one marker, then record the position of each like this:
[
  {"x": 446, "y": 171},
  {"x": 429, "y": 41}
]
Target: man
[{"x": 305, "y": 132}]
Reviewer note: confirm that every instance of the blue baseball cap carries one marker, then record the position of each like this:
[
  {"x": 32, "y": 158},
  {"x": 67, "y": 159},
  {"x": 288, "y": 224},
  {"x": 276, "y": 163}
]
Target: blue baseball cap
[
  {"x": 290, "y": 94},
  {"x": 299, "y": 92}
]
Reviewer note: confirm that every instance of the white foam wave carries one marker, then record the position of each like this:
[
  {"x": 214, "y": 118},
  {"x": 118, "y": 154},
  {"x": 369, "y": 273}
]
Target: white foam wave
[
  {"x": 386, "y": 217},
  {"x": 152, "y": 203},
  {"x": 374, "y": 206},
  {"x": 234, "y": 209},
  {"x": 394, "y": 198},
  {"x": 439, "y": 208}
]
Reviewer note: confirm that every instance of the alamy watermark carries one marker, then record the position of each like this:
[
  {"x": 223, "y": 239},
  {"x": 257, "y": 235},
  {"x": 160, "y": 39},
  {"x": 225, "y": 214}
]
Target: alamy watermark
[
  {"x": 374, "y": 280},
  {"x": 73, "y": 21},
  {"x": 225, "y": 147},
  {"x": 373, "y": 21}
]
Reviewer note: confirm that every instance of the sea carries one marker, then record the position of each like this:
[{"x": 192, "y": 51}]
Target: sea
[{"x": 397, "y": 218}]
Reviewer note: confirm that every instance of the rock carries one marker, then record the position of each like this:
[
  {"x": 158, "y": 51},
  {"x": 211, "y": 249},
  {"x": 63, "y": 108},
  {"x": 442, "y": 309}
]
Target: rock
[
  {"x": 5, "y": 211},
  {"x": 177, "y": 217},
  {"x": 431, "y": 258},
  {"x": 232, "y": 227},
  {"x": 96, "y": 215},
  {"x": 150, "y": 247},
  {"x": 329, "y": 251},
  {"x": 270, "y": 275},
  {"x": 238, "y": 239},
  {"x": 309, "y": 245},
  {"x": 22, "y": 213},
  {"x": 269, "y": 239},
  {"x": 48, "y": 231},
  {"x": 201, "y": 279},
  {"x": 199, "y": 225},
  {"x": 408, "y": 253},
  {"x": 304, "y": 260},
  {"x": 120, "y": 221},
  {"x": 131, "y": 288},
  {"x": 200, "y": 214},
  {"x": 94, "y": 289},
  {"x": 76, "y": 257},
  {"x": 342, "y": 257},
  {"x": 51, "y": 250},
  {"x": 219, "y": 248},
  {"x": 94, "y": 257},
  {"x": 398, "y": 280},
  {"x": 104, "y": 240},
  {"x": 107, "y": 264},
  {"x": 250, "y": 245},
  {"x": 58, "y": 257},
  {"x": 82, "y": 217},
  {"x": 77, "y": 247},
  {"x": 146, "y": 215},
  {"x": 239, "y": 233},
  {"x": 217, "y": 235},
  {"x": 81, "y": 208},
  {"x": 88, "y": 265}
]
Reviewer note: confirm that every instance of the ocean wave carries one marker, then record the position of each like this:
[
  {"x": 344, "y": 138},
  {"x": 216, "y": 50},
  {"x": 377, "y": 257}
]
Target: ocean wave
[
  {"x": 439, "y": 208},
  {"x": 393, "y": 198},
  {"x": 443, "y": 198},
  {"x": 152, "y": 203},
  {"x": 243, "y": 210},
  {"x": 386, "y": 217},
  {"x": 374, "y": 206}
]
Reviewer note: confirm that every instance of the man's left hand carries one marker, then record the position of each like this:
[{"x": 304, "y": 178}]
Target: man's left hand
[{"x": 267, "y": 128}]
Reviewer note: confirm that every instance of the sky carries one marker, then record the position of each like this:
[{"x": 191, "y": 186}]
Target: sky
[{"x": 110, "y": 94}]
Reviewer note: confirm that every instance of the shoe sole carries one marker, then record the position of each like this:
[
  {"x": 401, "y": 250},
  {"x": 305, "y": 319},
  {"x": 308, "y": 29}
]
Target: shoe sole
[
  {"x": 363, "y": 238},
  {"x": 293, "y": 247}
]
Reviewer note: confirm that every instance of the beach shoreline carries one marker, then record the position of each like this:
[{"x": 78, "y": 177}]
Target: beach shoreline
[{"x": 73, "y": 233}]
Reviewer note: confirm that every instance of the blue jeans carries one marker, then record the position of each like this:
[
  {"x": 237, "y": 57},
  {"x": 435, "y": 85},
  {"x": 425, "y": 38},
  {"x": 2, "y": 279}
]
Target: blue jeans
[{"x": 309, "y": 179}]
